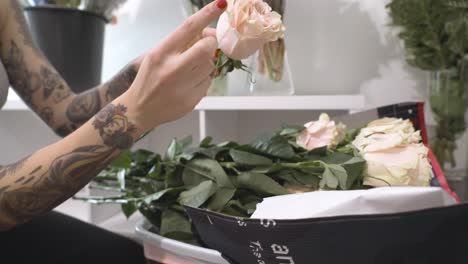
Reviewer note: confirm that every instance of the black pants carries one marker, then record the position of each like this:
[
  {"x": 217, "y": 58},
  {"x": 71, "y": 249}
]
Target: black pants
[{"x": 59, "y": 239}]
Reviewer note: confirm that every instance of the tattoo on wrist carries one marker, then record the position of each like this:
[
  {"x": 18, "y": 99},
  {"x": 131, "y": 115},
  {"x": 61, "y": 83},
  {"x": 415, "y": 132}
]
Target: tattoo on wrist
[
  {"x": 114, "y": 127},
  {"x": 119, "y": 84},
  {"x": 84, "y": 106}
]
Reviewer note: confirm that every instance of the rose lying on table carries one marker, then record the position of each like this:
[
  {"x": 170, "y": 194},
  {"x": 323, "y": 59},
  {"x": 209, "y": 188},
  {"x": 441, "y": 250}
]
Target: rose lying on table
[{"x": 233, "y": 178}]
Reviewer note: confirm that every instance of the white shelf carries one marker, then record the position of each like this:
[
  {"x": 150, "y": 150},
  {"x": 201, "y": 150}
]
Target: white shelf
[
  {"x": 260, "y": 103},
  {"x": 15, "y": 105},
  {"x": 314, "y": 102}
]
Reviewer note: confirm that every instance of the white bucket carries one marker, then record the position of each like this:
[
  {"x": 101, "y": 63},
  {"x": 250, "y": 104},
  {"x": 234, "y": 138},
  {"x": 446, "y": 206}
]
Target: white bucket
[{"x": 169, "y": 251}]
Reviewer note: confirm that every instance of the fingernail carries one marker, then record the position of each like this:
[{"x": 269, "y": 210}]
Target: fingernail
[{"x": 222, "y": 4}]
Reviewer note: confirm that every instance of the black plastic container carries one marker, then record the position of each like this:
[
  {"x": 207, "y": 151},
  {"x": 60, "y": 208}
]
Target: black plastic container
[{"x": 72, "y": 40}]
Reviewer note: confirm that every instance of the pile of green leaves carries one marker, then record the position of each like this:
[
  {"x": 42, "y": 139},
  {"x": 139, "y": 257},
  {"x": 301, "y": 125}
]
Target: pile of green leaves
[
  {"x": 229, "y": 178},
  {"x": 435, "y": 34}
]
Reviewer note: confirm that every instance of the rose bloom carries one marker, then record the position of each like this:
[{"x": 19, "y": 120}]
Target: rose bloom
[
  {"x": 246, "y": 26},
  {"x": 386, "y": 132},
  {"x": 393, "y": 154},
  {"x": 321, "y": 133},
  {"x": 398, "y": 166}
]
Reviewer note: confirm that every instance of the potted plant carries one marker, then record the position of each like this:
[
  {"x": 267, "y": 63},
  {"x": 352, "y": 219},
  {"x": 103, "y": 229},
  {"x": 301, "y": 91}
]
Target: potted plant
[
  {"x": 435, "y": 35},
  {"x": 70, "y": 33}
]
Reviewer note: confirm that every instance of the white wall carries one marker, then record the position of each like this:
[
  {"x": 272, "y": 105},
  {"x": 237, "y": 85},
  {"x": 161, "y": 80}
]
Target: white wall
[{"x": 334, "y": 46}]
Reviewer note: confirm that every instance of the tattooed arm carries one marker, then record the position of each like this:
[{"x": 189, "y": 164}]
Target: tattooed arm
[
  {"x": 39, "y": 84},
  {"x": 170, "y": 82},
  {"x": 42, "y": 181}
]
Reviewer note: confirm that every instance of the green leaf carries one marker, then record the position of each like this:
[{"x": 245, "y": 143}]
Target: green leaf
[
  {"x": 235, "y": 208},
  {"x": 336, "y": 158},
  {"x": 156, "y": 171},
  {"x": 306, "y": 178},
  {"x": 123, "y": 161},
  {"x": 175, "y": 225},
  {"x": 174, "y": 149},
  {"x": 206, "y": 142},
  {"x": 291, "y": 130},
  {"x": 227, "y": 144},
  {"x": 142, "y": 155},
  {"x": 246, "y": 158},
  {"x": 210, "y": 152},
  {"x": 173, "y": 177},
  {"x": 268, "y": 169},
  {"x": 198, "y": 195},
  {"x": 350, "y": 136},
  {"x": 186, "y": 142},
  {"x": 129, "y": 209},
  {"x": 260, "y": 183},
  {"x": 221, "y": 198},
  {"x": 329, "y": 180},
  {"x": 316, "y": 154},
  {"x": 355, "y": 168},
  {"x": 209, "y": 169},
  {"x": 274, "y": 145},
  {"x": 340, "y": 173},
  {"x": 156, "y": 196}
]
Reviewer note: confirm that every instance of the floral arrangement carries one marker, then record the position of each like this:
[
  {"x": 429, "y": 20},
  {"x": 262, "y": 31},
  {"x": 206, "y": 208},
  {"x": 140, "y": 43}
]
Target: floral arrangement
[
  {"x": 232, "y": 178},
  {"x": 435, "y": 35}
]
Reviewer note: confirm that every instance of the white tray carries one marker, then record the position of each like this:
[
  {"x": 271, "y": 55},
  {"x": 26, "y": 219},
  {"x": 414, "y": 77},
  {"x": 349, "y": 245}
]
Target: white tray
[{"x": 169, "y": 251}]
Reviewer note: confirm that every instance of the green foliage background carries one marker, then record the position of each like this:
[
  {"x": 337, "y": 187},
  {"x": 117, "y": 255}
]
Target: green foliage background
[{"x": 435, "y": 35}]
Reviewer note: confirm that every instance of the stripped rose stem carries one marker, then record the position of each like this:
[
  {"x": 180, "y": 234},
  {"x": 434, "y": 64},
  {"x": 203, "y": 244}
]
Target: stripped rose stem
[
  {"x": 225, "y": 65},
  {"x": 271, "y": 56}
]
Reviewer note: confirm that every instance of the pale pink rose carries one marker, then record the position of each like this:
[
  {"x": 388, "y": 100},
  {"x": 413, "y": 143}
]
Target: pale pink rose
[
  {"x": 321, "y": 133},
  {"x": 246, "y": 26},
  {"x": 394, "y": 154},
  {"x": 406, "y": 165}
]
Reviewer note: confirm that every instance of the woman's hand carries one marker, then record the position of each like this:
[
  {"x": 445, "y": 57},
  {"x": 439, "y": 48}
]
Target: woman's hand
[{"x": 175, "y": 75}]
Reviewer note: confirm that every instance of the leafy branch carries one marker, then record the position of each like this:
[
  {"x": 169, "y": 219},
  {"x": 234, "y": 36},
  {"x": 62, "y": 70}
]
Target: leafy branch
[
  {"x": 435, "y": 35},
  {"x": 228, "y": 177}
]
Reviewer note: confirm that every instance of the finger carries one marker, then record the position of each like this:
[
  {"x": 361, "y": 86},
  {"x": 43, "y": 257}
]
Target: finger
[
  {"x": 201, "y": 71},
  {"x": 209, "y": 32},
  {"x": 192, "y": 28},
  {"x": 202, "y": 89},
  {"x": 197, "y": 93},
  {"x": 202, "y": 51}
]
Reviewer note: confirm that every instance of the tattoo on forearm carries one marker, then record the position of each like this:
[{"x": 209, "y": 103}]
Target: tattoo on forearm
[
  {"x": 45, "y": 190},
  {"x": 53, "y": 85},
  {"x": 64, "y": 130},
  {"x": 24, "y": 81},
  {"x": 121, "y": 82},
  {"x": 13, "y": 168},
  {"x": 22, "y": 25},
  {"x": 47, "y": 114},
  {"x": 41, "y": 190},
  {"x": 114, "y": 127},
  {"x": 84, "y": 106}
]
